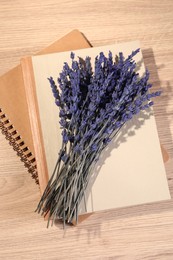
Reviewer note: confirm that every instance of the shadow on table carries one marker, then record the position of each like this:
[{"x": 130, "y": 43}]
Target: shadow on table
[{"x": 161, "y": 107}]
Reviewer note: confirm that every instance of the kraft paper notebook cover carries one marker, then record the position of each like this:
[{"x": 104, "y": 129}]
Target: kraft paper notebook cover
[
  {"x": 14, "y": 117},
  {"x": 131, "y": 174}
]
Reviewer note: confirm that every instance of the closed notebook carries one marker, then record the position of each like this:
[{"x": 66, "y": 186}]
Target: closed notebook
[
  {"x": 14, "y": 117},
  {"x": 130, "y": 173}
]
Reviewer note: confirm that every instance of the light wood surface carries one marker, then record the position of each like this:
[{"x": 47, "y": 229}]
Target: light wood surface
[{"x": 140, "y": 232}]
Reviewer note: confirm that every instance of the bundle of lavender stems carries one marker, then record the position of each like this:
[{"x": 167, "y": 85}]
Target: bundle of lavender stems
[{"x": 94, "y": 103}]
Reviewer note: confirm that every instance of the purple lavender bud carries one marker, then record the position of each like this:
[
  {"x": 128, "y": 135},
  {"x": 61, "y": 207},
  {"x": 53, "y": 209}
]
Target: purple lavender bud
[
  {"x": 109, "y": 131},
  {"x": 136, "y": 110},
  {"x": 94, "y": 147},
  {"x": 138, "y": 102},
  {"x": 56, "y": 95},
  {"x": 77, "y": 149},
  {"x": 130, "y": 115},
  {"x": 63, "y": 123},
  {"x": 151, "y": 103},
  {"x": 58, "y": 103},
  {"x": 62, "y": 113},
  {"x": 71, "y": 138},
  {"x": 64, "y": 158},
  {"x": 148, "y": 96},
  {"x": 133, "y": 54},
  {"x": 118, "y": 124},
  {"x": 93, "y": 126},
  {"x": 65, "y": 136},
  {"x": 106, "y": 140},
  {"x": 75, "y": 65},
  {"x": 72, "y": 55},
  {"x": 158, "y": 93}
]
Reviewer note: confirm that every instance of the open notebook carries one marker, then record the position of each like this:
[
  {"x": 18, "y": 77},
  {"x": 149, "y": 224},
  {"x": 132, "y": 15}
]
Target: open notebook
[
  {"x": 14, "y": 117},
  {"x": 130, "y": 172}
]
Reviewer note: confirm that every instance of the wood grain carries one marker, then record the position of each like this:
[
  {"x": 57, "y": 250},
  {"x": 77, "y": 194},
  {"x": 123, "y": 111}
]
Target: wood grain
[{"x": 140, "y": 232}]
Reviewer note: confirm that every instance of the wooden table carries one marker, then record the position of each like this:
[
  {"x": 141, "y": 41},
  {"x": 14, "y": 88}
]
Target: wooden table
[{"x": 140, "y": 232}]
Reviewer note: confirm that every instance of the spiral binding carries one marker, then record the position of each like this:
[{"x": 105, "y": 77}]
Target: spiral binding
[{"x": 18, "y": 145}]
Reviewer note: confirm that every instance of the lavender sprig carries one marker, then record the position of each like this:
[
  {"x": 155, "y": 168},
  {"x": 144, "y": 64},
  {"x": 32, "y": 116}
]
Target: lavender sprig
[{"x": 93, "y": 106}]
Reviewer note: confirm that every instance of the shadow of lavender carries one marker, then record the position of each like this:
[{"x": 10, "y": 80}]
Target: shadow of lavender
[
  {"x": 128, "y": 130},
  {"x": 161, "y": 112}
]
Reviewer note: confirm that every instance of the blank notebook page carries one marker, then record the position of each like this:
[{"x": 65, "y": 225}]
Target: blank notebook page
[{"x": 131, "y": 169}]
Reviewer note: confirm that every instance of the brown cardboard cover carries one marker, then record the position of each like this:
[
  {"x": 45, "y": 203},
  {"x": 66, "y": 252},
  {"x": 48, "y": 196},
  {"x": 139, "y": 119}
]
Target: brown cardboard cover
[{"x": 12, "y": 93}]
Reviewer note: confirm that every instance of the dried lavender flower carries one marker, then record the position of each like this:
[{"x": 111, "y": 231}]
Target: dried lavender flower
[{"x": 93, "y": 106}]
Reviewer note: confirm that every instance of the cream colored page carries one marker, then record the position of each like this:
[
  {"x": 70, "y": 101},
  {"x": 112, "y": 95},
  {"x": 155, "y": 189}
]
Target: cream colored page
[{"x": 131, "y": 170}]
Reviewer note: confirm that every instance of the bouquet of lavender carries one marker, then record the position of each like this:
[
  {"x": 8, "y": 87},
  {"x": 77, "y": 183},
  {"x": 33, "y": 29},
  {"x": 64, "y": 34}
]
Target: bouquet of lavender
[{"x": 93, "y": 106}]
